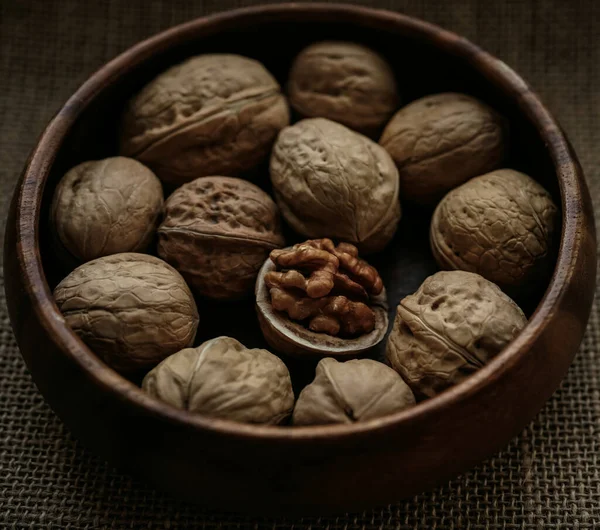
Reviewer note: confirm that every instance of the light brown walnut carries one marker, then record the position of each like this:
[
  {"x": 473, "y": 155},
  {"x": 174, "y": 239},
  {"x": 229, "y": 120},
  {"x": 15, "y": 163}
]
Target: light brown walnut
[
  {"x": 343, "y": 82},
  {"x": 332, "y": 182},
  {"x": 218, "y": 231},
  {"x": 453, "y": 325},
  {"x": 440, "y": 141},
  {"x": 108, "y": 206},
  {"x": 132, "y": 310},
  {"x": 351, "y": 391},
  {"x": 222, "y": 378},
  {"x": 500, "y": 225},
  {"x": 212, "y": 114}
]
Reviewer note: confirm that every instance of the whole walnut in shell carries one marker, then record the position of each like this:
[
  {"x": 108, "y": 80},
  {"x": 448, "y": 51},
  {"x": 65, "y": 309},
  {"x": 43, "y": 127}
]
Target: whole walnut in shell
[
  {"x": 212, "y": 114},
  {"x": 351, "y": 391},
  {"x": 224, "y": 379},
  {"x": 108, "y": 206},
  {"x": 218, "y": 231},
  {"x": 332, "y": 182},
  {"x": 316, "y": 299},
  {"x": 441, "y": 141},
  {"x": 132, "y": 310},
  {"x": 500, "y": 225},
  {"x": 452, "y": 326},
  {"x": 344, "y": 82}
]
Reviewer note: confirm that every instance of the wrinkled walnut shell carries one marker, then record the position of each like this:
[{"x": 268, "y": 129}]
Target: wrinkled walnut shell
[
  {"x": 452, "y": 326},
  {"x": 440, "y": 141},
  {"x": 132, "y": 310},
  {"x": 344, "y": 82},
  {"x": 292, "y": 338},
  {"x": 352, "y": 391},
  {"x": 501, "y": 225},
  {"x": 213, "y": 114},
  {"x": 105, "y": 207},
  {"x": 330, "y": 181},
  {"x": 222, "y": 378},
  {"x": 217, "y": 232}
]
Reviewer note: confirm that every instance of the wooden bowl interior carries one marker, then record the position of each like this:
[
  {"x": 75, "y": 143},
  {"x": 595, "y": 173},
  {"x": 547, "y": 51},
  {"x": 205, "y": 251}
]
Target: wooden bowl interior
[{"x": 421, "y": 69}]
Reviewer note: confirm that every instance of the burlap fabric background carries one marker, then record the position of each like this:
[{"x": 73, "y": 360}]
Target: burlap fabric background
[{"x": 547, "y": 478}]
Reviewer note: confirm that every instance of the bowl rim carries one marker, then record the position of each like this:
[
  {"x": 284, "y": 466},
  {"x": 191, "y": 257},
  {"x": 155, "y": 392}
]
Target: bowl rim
[{"x": 40, "y": 161}]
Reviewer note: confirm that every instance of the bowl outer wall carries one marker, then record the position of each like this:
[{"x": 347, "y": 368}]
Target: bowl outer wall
[{"x": 317, "y": 469}]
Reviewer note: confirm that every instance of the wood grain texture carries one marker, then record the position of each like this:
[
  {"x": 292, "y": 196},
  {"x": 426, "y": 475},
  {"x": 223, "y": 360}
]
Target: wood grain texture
[{"x": 314, "y": 469}]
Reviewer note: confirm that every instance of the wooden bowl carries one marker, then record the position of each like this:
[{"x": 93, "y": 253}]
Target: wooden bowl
[{"x": 239, "y": 467}]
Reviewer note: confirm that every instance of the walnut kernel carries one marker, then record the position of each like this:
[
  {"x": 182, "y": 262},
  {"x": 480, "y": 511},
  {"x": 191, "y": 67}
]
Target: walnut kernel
[{"x": 316, "y": 297}]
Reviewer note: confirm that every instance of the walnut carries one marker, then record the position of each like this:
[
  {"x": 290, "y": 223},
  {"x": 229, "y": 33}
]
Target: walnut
[
  {"x": 105, "y": 207},
  {"x": 343, "y": 82},
  {"x": 500, "y": 225},
  {"x": 332, "y": 182},
  {"x": 132, "y": 310},
  {"x": 325, "y": 297},
  {"x": 212, "y": 114},
  {"x": 452, "y": 326},
  {"x": 316, "y": 298},
  {"x": 218, "y": 231},
  {"x": 223, "y": 379},
  {"x": 351, "y": 391},
  {"x": 441, "y": 141}
]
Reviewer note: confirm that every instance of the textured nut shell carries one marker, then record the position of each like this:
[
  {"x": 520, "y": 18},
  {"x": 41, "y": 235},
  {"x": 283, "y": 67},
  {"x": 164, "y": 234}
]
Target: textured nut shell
[
  {"x": 132, "y": 310},
  {"x": 343, "y": 82},
  {"x": 105, "y": 207},
  {"x": 332, "y": 182},
  {"x": 441, "y": 141},
  {"x": 218, "y": 231},
  {"x": 357, "y": 390},
  {"x": 212, "y": 114},
  {"x": 292, "y": 338},
  {"x": 454, "y": 324},
  {"x": 224, "y": 379},
  {"x": 500, "y": 225}
]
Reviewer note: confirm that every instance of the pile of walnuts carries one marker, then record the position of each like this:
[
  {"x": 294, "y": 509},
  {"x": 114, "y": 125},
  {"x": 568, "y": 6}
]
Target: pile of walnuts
[{"x": 342, "y": 155}]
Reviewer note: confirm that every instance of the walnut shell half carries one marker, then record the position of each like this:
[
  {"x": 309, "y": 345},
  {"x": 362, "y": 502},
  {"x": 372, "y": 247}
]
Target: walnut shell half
[{"x": 293, "y": 338}]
